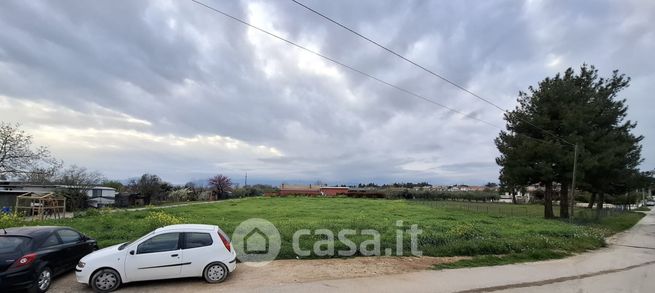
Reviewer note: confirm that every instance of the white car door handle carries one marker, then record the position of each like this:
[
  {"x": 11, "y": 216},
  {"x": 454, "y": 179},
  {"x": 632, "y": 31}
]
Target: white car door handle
[{"x": 173, "y": 255}]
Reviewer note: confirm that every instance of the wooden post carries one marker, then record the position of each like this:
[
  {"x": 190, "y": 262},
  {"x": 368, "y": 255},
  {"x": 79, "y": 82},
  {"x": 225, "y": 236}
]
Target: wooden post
[{"x": 575, "y": 167}]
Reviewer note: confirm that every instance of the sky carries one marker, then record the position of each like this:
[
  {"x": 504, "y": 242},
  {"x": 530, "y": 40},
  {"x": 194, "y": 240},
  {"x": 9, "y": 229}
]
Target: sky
[{"x": 175, "y": 89}]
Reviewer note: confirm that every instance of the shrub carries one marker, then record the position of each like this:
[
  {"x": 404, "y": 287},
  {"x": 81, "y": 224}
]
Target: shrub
[
  {"x": 442, "y": 195},
  {"x": 180, "y": 194},
  {"x": 87, "y": 213},
  {"x": 11, "y": 220},
  {"x": 160, "y": 219},
  {"x": 247, "y": 192},
  {"x": 464, "y": 231},
  {"x": 92, "y": 212}
]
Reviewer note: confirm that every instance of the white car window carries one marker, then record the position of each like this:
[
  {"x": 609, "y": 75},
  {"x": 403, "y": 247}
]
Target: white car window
[
  {"x": 197, "y": 239},
  {"x": 159, "y": 243}
]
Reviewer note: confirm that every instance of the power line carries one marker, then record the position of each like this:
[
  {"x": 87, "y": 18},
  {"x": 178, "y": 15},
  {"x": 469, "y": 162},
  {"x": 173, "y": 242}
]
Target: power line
[
  {"x": 425, "y": 69},
  {"x": 575, "y": 156},
  {"x": 399, "y": 56},
  {"x": 468, "y": 115}
]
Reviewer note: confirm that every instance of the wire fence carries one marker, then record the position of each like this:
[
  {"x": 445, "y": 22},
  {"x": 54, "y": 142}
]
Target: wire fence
[{"x": 518, "y": 210}]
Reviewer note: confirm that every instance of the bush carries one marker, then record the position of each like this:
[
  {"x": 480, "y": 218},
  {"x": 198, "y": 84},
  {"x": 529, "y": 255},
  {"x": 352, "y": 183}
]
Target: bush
[
  {"x": 160, "y": 219},
  {"x": 442, "y": 195},
  {"x": 182, "y": 194},
  {"x": 11, "y": 220},
  {"x": 247, "y": 192},
  {"x": 87, "y": 213},
  {"x": 92, "y": 212}
]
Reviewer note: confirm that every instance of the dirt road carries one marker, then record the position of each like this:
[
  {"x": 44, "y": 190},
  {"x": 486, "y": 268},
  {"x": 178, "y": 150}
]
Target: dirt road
[
  {"x": 277, "y": 273},
  {"x": 627, "y": 265}
]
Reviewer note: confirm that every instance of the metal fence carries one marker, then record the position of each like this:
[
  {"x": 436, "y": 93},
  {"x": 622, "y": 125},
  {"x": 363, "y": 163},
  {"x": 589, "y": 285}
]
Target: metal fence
[{"x": 518, "y": 210}]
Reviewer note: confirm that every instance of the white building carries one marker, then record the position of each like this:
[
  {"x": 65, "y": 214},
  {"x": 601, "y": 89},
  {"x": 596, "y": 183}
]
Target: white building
[{"x": 98, "y": 196}]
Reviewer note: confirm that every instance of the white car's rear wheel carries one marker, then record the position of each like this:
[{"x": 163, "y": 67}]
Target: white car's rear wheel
[
  {"x": 105, "y": 280},
  {"x": 215, "y": 272}
]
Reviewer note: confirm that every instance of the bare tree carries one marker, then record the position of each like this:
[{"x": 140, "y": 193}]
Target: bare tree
[
  {"x": 41, "y": 175},
  {"x": 75, "y": 183},
  {"x": 115, "y": 184},
  {"x": 149, "y": 186},
  {"x": 18, "y": 157},
  {"x": 221, "y": 185},
  {"x": 194, "y": 190}
]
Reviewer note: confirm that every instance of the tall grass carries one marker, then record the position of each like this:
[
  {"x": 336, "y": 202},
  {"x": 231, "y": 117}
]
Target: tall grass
[{"x": 446, "y": 232}]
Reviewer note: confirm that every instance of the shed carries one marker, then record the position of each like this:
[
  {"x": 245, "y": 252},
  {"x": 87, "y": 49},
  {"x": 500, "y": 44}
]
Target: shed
[{"x": 41, "y": 206}]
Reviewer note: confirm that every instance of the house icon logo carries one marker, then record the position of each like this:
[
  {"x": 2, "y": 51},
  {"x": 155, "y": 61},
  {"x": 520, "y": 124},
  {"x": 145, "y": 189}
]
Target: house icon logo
[{"x": 256, "y": 242}]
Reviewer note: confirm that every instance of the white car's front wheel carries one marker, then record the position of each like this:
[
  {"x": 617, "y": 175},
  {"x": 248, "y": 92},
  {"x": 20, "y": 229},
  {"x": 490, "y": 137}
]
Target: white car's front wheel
[
  {"x": 215, "y": 272},
  {"x": 105, "y": 280}
]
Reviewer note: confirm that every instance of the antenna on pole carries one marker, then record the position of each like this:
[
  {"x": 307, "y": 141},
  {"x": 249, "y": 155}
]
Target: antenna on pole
[{"x": 245, "y": 183}]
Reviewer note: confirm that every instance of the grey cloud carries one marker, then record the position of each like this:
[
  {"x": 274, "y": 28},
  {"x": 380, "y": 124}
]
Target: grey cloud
[{"x": 191, "y": 72}]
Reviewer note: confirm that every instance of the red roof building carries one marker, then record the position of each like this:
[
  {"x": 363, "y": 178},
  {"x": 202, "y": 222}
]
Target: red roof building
[{"x": 312, "y": 190}]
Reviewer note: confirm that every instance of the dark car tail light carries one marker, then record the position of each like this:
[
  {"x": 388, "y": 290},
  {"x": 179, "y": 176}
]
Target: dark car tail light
[
  {"x": 25, "y": 260},
  {"x": 225, "y": 242}
]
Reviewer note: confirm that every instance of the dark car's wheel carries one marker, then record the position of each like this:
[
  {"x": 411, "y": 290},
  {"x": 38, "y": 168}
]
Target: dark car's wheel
[
  {"x": 105, "y": 280},
  {"x": 215, "y": 272},
  {"x": 43, "y": 280}
]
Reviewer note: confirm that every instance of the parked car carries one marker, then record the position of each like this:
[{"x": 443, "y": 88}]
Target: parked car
[
  {"x": 650, "y": 203},
  {"x": 175, "y": 251},
  {"x": 31, "y": 256}
]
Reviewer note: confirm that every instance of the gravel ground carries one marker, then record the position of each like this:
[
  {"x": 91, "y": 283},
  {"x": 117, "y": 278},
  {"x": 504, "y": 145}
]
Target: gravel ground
[{"x": 275, "y": 273}]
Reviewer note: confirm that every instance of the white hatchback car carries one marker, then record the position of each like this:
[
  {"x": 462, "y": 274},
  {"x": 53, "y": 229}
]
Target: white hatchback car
[{"x": 175, "y": 251}]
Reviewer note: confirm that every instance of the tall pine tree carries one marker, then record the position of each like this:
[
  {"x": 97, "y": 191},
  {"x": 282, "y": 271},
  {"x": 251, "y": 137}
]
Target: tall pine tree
[{"x": 578, "y": 108}]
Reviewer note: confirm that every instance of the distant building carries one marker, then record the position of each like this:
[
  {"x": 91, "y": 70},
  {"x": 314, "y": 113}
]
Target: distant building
[
  {"x": 477, "y": 188},
  {"x": 440, "y": 187},
  {"x": 126, "y": 199},
  {"x": 9, "y": 190},
  {"x": 101, "y": 196},
  {"x": 312, "y": 190},
  {"x": 333, "y": 191}
]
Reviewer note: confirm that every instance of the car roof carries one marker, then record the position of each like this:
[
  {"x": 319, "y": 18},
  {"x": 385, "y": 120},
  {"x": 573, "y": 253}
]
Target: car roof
[
  {"x": 37, "y": 233},
  {"x": 32, "y": 231},
  {"x": 187, "y": 227}
]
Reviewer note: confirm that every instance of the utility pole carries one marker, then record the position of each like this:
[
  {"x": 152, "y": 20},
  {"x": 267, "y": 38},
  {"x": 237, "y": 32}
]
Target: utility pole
[
  {"x": 575, "y": 167},
  {"x": 245, "y": 183}
]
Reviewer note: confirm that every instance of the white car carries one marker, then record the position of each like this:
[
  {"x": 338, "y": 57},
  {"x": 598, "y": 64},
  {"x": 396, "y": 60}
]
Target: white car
[{"x": 175, "y": 251}]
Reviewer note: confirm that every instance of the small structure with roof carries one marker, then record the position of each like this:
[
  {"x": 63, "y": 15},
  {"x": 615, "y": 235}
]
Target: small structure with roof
[{"x": 41, "y": 206}]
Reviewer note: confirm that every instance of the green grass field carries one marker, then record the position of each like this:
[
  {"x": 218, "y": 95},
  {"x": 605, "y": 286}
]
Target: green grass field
[{"x": 446, "y": 232}]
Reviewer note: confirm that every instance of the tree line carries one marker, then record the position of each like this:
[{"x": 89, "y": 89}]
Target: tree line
[
  {"x": 153, "y": 189},
  {"x": 21, "y": 161}
]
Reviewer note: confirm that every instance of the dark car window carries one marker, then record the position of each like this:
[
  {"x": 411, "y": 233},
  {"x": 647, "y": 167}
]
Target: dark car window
[
  {"x": 160, "y": 243},
  {"x": 13, "y": 244},
  {"x": 69, "y": 236},
  {"x": 195, "y": 239},
  {"x": 52, "y": 240}
]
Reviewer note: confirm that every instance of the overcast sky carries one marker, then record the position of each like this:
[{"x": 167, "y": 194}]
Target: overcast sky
[{"x": 172, "y": 88}]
